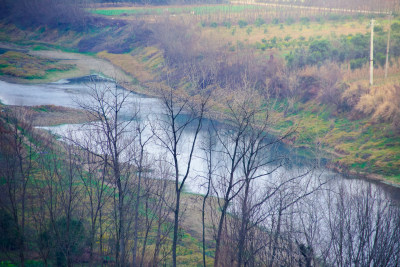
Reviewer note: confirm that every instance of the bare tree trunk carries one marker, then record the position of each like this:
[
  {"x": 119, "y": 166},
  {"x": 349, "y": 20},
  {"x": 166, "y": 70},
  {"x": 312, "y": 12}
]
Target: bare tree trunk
[{"x": 170, "y": 137}]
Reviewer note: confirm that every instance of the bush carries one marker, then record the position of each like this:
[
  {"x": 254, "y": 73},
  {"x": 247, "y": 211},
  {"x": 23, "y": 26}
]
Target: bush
[
  {"x": 378, "y": 29},
  {"x": 214, "y": 25},
  {"x": 289, "y": 21},
  {"x": 249, "y": 30},
  {"x": 287, "y": 38},
  {"x": 380, "y": 59},
  {"x": 227, "y": 24},
  {"x": 395, "y": 27},
  {"x": 275, "y": 21},
  {"x": 319, "y": 51},
  {"x": 242, "y": 23},
  {"x": 9, "y": 235},
  {"x": 304, "y": 20},
  {"x": 72, "y": 239},
  {"x": 259, "y": 22},
  {"x": 383, "y": 103},
  {"x": 320, "y": 19},
  {"x": 357, "y": 63}
]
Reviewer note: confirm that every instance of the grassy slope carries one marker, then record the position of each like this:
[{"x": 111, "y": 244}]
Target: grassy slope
[
  {"x": 358, "y": 145},
  {"x": 21, "y": 65},
  {"x": 355, "y": 145},
  {"x": 189, "y": 248}
]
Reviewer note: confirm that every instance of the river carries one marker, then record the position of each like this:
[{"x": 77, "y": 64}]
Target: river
[{"x": 68, "y": 92}]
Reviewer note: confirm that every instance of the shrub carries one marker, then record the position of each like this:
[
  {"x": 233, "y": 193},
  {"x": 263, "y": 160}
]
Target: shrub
[
  {"x": 304, "y": 20},
  {"x": 71, "y": 239},
  {"x": 242, "y": 23},
  {"x": 383, "y": 103},
  {"x": 9, "y": 235},
  {"x": 227, "y": 24},
  {"x": 395, "y": 27},
  {"x": 351, "y": 96},
  {"x": 259, "y": 22},
  {"x": 357, "y": 63},
  {"x": 275, "y": 21},
  {"x": 320, "y": 19},
  {"x": 249, "y": 30},
  {"x": 378, "y": 29},
  {"x": 319, "y": 51},
  {"x": 214, "y": 25},
  {"x": 289, "y": 21}
]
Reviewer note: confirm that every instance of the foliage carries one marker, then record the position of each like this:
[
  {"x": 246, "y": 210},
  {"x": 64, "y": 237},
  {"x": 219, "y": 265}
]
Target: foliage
[
  {"x": 259, "y": 22},
  {"x": 9, "y": 235},
  {"x": 242, "y": 23},
  {"x": 70, "y": 238},
  {"x": 249, "y": 30},
  {"x": 55, "y": 14}
]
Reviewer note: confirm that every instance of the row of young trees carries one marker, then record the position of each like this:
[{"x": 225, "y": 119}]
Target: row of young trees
[{"x": 354, "y": 6}]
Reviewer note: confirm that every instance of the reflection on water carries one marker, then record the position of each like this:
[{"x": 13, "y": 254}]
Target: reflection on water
[{"x": 70, "y": 92}]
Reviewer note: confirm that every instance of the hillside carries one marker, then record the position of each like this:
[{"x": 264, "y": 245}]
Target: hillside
[
  {"x": 324, "y": 108},
  {"x": 272, "y": 73}
]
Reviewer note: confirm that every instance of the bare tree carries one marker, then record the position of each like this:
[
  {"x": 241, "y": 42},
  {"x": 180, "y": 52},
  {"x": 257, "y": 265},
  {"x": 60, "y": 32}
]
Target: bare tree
[
  {"x": 16, "y": 168},
  {"x": 95, "y": 185},
  {"x": 181, "y": 112},
  {"x": 141, "y": 166},
  {"x": 106, "y": 105},
  {"x": 363, "y": 227}
]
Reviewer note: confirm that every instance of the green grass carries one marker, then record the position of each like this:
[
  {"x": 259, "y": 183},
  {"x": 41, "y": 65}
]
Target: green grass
[{"x": 363, "y": 147}]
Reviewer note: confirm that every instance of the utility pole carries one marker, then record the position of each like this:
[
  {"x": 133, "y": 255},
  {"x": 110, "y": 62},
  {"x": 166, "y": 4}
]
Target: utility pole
[
  {"x": 388, "y": 46},
  {"x": 371, "y": 55}
]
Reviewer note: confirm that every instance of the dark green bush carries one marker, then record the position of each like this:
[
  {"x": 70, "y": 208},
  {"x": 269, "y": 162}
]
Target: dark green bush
[
  {"x": 259, "y": 22},
  {"x": 290, "y": 21},
  {"x": 9, "y": 235},
  {"x": 357, "y": 63},
  {"x": 227, "y": 24},
  {"x": 242, "y": 23}
]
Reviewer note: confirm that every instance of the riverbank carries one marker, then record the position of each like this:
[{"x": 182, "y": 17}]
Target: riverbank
[
  {"x": 49, "y": 115},
  {"x": 311, "y": 130},
  {"x": 355, "y": 145}
]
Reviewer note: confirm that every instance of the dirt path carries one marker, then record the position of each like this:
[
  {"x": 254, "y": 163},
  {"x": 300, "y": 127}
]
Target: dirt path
[{"x": 85, "y": 65}]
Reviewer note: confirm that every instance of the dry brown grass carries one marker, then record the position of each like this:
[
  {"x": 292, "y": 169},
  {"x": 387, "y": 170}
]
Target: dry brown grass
[
  {"x": 49, "y": 115},
  {"x": 23, "y": 65},
  {"x": 362, "y": 75},
  {"x": 382, "y": 102},
  {"x": 130, "y": 64}
]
